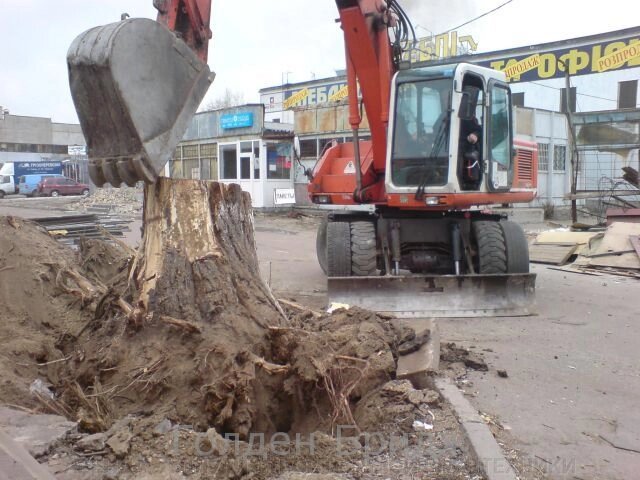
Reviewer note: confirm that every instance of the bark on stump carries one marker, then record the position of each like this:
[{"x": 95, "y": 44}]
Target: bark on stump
[{"x": 197, "y": 275}]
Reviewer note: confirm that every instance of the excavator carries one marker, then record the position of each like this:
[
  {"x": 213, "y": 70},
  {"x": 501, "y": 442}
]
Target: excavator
[{"x": 410, "y": 229}]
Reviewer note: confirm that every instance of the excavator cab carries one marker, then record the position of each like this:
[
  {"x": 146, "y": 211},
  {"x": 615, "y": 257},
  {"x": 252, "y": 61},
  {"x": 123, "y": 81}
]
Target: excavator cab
[{"x": 135, "y": 85}]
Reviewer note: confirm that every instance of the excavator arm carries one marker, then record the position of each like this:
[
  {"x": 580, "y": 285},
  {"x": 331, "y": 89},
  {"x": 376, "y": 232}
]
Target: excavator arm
[{"x": 137, "y": 83}]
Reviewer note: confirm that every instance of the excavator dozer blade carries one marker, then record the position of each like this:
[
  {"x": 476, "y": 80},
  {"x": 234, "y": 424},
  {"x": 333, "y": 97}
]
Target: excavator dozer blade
[
  {"x": 135, "y": 86},
  {"x": 439, "y": 296}
]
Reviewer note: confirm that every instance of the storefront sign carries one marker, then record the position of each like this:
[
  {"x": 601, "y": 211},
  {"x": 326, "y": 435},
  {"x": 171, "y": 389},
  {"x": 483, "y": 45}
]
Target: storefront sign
[
  {"x": 77, "y": 149},
  {"x": 340, "y": 94},
  {"x": 619, "y": 58},
  {"x": 522, "y": 66},
  {"x": 297, "y": 97},
  {"x": 441, "y": 46},
  {"x": 284, "y": 196},
  {"x": 236, "y": 120},
  {"x": 580, "y": 60},
  {"x": 314, "y": 95}
]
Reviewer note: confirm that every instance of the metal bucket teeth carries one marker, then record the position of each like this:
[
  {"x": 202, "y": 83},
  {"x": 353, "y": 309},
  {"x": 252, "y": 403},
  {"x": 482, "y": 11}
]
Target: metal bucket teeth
[
  {"x": 110, "y": 172},
  {"x": 135, "y": 86}
]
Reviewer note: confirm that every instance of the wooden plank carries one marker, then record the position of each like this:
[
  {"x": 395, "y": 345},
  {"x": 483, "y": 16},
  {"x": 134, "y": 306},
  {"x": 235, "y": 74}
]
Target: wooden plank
[
  {"x": 635, "y": 241},
  {"x": 565, "y": 237},
  {"x": 550, "y": 253},
  {"x": 616, "y": 239}
]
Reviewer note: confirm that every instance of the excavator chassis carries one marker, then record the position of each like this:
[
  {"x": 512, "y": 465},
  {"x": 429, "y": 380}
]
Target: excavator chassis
[
  {"x": 427, "y": 264},
  {"x": 135, "y": 86}
]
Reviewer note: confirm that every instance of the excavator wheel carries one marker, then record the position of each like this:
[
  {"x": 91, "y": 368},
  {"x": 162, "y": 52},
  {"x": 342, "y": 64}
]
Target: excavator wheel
[
  {"x": 363, "y": 248},
  {"x": 338, "y": 249},
  {"x": 517, "y": 247},
  {"x": 492, "y": 251},
  {"x": 321, "y": 245}
]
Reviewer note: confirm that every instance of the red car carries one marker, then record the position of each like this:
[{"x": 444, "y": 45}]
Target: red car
[{"x": 55, "y": 186}]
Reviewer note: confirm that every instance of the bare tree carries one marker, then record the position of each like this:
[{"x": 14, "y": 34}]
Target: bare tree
[{"x": 228, "y": 99}]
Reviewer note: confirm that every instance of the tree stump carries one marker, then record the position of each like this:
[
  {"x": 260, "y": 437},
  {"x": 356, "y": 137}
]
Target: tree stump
[
  {"x": 198, "y": 316},
  {"x": 199, "y": 261}
]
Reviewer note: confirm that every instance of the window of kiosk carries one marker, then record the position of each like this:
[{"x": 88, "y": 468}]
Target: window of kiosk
[
  {"x": 256, "y": 160},
  {"x": 229, "y": 163},
  {"x": 279, "y": 158}
]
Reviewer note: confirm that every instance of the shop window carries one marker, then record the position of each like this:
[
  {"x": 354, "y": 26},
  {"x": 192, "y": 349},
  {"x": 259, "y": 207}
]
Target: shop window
[
  {"x": 229, "y": 165},
  {"x": 246, "y": 147},
  {"x": 518, "y": 99},
  {"x": 245, "y": 167},
  {"x": 279, "y": 161},
  {"x": 209, "y": 161},
  {"x": 256, "y": 160},
  {"x": 309, "y": 148},
  {"x": 572, "y": 100},
  {"x": 628, "y": 94},
  {"x": 559, "y": 158},
  {"x": 543, "y": 157}
]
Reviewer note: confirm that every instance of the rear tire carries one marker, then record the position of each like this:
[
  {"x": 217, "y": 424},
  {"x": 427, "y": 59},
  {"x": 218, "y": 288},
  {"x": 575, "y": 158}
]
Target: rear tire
[
  {"x": 55, "y": 193},
  {"x": 85, "y": 192},
  {"x": 517, "y": 247},
  {"x": 321, "y": 244},
  {"x": 1, "y": 194},
  {"x": 338, "y": 249},
  {"x": 363, "y": 249},
  {"x": 492, "y": 252}
]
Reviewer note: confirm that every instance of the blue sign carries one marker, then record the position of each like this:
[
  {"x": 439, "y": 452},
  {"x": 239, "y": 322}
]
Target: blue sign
[{"x": 236, "y": 120}]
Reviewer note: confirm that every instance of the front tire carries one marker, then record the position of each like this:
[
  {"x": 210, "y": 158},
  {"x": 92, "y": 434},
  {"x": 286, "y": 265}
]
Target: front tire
[
  {"x": 321, "y": 244},
  {"x": 85, "y": 192},
  {"x": 338, "y": 249},
  {"x": 492, "y": 252},
  {"x": 363, "y": 249},
  {"x": 517, "y": 247},
  {"x": 55, "y": 193}
]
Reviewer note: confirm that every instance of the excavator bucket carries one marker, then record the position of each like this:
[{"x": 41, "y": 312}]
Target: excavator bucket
[
  {"x": 135, "y": 86},
  {"x": 439, "y": 296}
]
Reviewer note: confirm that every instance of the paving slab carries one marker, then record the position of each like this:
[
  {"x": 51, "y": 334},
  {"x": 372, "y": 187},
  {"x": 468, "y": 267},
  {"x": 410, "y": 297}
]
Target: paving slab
[
  {"x": 37, "y": 433},
  {"x": 17, "y": 464}
]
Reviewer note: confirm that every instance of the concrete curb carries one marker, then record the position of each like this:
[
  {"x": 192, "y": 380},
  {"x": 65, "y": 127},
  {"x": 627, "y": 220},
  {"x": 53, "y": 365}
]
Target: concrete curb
[{"x": 483, "y": 444}]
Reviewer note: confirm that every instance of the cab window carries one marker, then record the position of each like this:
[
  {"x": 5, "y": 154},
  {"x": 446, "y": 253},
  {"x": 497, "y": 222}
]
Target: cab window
[{"x": 421, "y": 133}]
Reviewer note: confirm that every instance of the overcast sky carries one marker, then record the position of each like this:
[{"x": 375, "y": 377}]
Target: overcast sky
[{"x": 258, "y": 43}]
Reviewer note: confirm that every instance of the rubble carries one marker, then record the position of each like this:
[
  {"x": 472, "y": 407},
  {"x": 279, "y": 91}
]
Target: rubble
[{"x": 118, "y": 201}]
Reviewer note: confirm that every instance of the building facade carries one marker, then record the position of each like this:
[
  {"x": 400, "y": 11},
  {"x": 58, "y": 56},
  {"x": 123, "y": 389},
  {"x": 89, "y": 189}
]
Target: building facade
[
  {"x": 38, "y": 139},
  {"x": 603, "y": 72},
  {"x": 237, "y": 145}
]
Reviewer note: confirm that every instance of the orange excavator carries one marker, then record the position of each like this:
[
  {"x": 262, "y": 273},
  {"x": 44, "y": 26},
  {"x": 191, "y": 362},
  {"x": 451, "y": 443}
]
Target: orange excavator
[{"x": 409, "y": 231}]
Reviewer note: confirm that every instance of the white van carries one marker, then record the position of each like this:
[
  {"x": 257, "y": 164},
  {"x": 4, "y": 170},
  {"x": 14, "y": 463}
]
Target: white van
[{"x": 7, "y": 185}]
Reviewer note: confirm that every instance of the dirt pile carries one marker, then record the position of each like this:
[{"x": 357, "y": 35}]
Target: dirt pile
[
  {"x": 158, "y": 375},
  {"x": 39, "y": 309}
]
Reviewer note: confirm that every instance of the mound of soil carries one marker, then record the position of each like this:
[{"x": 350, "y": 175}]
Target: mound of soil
[
  {"x": 150, "y": 363},
  {"x": 37, "y": 314}
]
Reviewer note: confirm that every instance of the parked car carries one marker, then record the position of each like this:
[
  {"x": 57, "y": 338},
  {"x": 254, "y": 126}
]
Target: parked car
[
  {"x": 28, "y": 184},
  {"x": 55, "y": 186}
]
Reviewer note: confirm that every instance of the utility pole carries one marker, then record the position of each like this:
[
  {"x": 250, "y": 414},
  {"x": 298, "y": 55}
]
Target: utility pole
[{"x": 574, "y": 145}]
